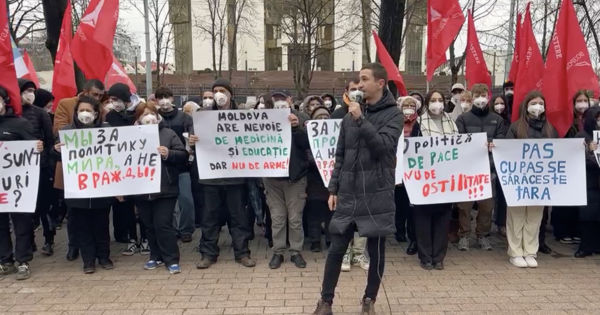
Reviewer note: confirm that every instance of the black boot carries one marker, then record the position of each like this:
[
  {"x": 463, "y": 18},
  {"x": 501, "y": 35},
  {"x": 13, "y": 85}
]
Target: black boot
[
  {"x": 72, "y": 253},
  {"x": 412, "y": 248}
]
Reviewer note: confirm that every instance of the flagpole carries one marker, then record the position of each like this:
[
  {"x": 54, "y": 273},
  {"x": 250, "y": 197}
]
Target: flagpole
[
  {"x": 509, "y": 47},
  {"x": 427, "y": 86},
  {"x": 148, "y": 53}
]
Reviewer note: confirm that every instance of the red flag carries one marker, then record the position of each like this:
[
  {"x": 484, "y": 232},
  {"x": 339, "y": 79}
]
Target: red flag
[
  {"x": 8, "y": 79},
  {"x": 31, "y": 74},
  {"x": 63, "y": 80},
  {"x": 476, "y": 71},
  {"x": 512, "y": 75},
  {"x": 93, "y": 42},
  {"x": 389, "y": 65},
  {"x": 116, "y": 74},
  {"x": 568, "y": 69},
  {"x": 444, "y": 20},
  {"x": 531, "y": 65}
]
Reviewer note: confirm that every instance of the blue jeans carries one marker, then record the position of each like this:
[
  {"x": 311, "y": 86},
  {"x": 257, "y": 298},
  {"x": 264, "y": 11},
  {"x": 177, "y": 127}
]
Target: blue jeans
[{"x": 185, "y": 213}]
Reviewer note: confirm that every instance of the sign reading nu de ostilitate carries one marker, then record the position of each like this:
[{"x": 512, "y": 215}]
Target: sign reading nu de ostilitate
[{"x": 243, "y": 143}]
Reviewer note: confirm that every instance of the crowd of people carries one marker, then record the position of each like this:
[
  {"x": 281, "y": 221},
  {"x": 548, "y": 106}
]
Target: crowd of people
[{"x": 352, "y": 216}]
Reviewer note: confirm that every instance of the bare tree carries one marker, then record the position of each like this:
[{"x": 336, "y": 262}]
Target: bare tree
[
  {"x": 25, "y": 18},
  {"x": 590, "y": 24},
  {"x": 238, "y": 22},
  {"x": 212, "y": 25}
]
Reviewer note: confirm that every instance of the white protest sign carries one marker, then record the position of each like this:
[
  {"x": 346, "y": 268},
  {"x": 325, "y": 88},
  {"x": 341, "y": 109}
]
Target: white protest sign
[
  {"x": 323, "y": 138},
  {"x": 243, "y": 143},
  {"x": 19, "y": 176},
  {"x": 597, "y": 141},
  {"x": 112, "y": 161},
  {"x": 447, "y": 169},
  {"x": 400, "y": 160},
  {"x": 541, "y": 172}
]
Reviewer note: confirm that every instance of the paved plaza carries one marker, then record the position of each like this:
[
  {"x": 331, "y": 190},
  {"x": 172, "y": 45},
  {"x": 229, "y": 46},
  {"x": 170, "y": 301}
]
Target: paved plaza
[{"x": 474, "y": 282}]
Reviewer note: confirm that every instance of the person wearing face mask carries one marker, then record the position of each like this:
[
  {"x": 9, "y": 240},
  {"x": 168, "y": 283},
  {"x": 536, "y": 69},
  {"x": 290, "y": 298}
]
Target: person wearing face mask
[
  {"x": 286, "y": 196},
  {"x": 564, "y": 220},
  {"x": 42, "y": 130},
  {"x": 120, "y": 99},
  {"x": 224, "y": 197},
  {"x": 479, "y": 119},
  {"x": 44, "y": 100},
  {"x": 63, "y": 115},
  {"x": 156, "y": 210},
  {"x": 508, "y": 89},
  {"x": 89, "y": 216},
  {"x": 465, "y": 103},
  {"x": 405, "y": 225},
  {"x": 208, "y": 100},
  {"x": 499, "y": 102},
  {"x": 523, "y": 223},
  {"x": 349, "y": 96},
  {"x": 432, "y": 221},
  {"x": 456, "y": 90},
  {"x": 311, "y": 102},
  {"x": 15, "y": 259},
  {"x": 361, "y": 190},
  {"x": 329, "y": 101},
  {"x": 589, "y": 215},
  {"x": 180, "y": 123}
]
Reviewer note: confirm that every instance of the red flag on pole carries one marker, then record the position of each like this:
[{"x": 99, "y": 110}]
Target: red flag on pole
[
  {"x": 568, "y": 69},
  {"x": 31, "y": 73},
  {"x": 8, "y": 77},
  {"x": 93, "y": 42},
  {"x": 117, "y": 74},
  {"x": 444, "y": 20},
  {"x": 63, "y": 79},
  {"x": 512, "y": 74},
  {"x": 476, "y": 71},
  {"x": 531, "y": 65},
  {"x": 389, "y": 65}
]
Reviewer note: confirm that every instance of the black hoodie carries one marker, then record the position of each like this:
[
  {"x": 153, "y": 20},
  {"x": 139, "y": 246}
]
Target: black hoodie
[{"x": 13, "y": 128}]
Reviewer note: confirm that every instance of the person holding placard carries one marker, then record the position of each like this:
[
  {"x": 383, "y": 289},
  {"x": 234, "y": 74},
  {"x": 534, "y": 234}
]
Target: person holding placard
[
  {"x": 405, "y": 224},
  {"x": 432, "y": 221},
  {"x": 286, "y": 197},
  {"x": 479, "y": 119},
  {"x": 523, "y": 223},
  {"x": 156, "y": 210},
  {"x": 500, "y": 106},
  {"x": 589, "y": 216},
  {"x": 362, "y": 185},
  {"x": 224, "y": 197},
  {"x": 89, "y": 216},
  {"x": 13, "y": 128}
]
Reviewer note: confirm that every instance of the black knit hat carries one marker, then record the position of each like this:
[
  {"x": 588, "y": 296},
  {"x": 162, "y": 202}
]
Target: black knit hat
[
  {"x": 24, "y": 84},
  {"x": 223, "y": 83},
  {"x": 120, "y": 91},
  {"x": 42, "y": 98}
]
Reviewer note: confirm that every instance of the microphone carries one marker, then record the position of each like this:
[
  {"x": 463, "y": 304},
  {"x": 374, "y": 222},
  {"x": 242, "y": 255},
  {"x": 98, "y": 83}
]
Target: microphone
[{"x": 356, "y": 96}]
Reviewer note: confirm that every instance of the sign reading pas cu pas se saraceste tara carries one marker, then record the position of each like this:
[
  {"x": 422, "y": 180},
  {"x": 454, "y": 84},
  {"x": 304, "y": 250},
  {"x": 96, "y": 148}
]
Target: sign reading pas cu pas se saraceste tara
[
  {"x": 113, "y": 161},
  {"x": 19, "y": 176},
  {"x": 447, "y": 169},
  {"x": 541, "y": 172},
  {"x": 243, "y": 143}
]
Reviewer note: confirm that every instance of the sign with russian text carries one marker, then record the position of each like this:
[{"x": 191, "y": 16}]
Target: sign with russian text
[
  {"x": 597, "y": 141},
  {"x": 447, "y": 169},
  {"x": 243, "y": 143},
  {"x": 19, "y": 176},
  {"x": 323, "y": 137},
  {"x": 541, "y": 172},
  {"x": 112, "y": 161}
]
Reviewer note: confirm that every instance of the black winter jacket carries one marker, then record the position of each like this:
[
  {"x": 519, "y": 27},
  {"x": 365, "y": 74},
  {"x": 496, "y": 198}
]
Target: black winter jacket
[
  {"x": 591, "y": 212},
  {"x": 179, "y": 122},
  {"x": 535, "y": 130},
  {"x": 13, "y": 128},
  {"x": 169, "y": 178},
  {"x": 299, "y": 151},
  {"x": 42, "y": 130},
  {"x": 119, "y": 119},
  {"x": 482, "y": 120},
  {"x": 365, "y": 166}
]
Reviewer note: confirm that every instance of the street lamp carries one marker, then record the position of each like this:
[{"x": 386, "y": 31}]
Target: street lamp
[{"x": 353, "y": 54}]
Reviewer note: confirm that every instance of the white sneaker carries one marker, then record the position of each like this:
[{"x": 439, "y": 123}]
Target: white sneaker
[
  {"x": 346, "y": 263},
  {"x": 518, "y": 262},
  {"x": 463, "y": 244},
  {"x": 484, "y": 243},
  {"x": 531, "y": 262},
  {"x": 362, "y": 261}
]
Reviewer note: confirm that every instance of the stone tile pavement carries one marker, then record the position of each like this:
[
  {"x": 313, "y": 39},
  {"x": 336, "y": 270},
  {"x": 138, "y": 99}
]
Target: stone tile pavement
[{"x": 474, "y": 282}]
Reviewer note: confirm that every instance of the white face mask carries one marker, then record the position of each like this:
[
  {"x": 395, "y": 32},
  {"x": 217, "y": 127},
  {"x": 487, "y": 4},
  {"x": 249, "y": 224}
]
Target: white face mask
[
  {"x": 86, "y": 118},
  {"x": 165, "y": 104},
  {"x": 480, "y": 102},
  {"x": 499, "y": 108},
  {"x": 281, "y": 104},
  {"x": 221, "y": 99},
  {"x": 509, "y": 92},
  {"x": 436, "y": 107},
  {"x": 356, "y": 96},
  {"x": 465, "y": 106},
  {"x": 207, "y": 103},
  {"x": 455, "y": 99},
  {"x": 327, "y": 103},
  {"x": 28, "y": 97},
  {"x": 118, "y": 105},
  {"x": 149, "y": 119},
  {"x": 261, "y": 106},
  {"x": 581, "y": 106},
  {"x": 535, "y": 110},
  {"x": 408, "y": 111}
]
